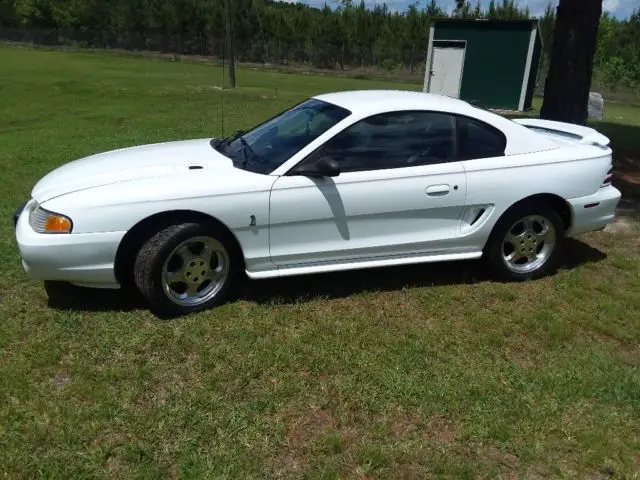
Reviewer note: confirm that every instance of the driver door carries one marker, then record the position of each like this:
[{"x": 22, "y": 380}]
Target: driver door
[{"x": 400, "y": 192}]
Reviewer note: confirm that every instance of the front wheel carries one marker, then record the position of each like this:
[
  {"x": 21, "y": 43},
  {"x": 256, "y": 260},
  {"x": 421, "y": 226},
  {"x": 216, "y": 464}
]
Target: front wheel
[
  {"x": 526, "y": 244},
  {"x": 186, "y": 268}
]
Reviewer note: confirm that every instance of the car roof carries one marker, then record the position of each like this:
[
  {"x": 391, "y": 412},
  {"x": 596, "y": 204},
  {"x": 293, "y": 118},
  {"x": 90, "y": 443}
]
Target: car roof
[
  {"x": 370, "y": 102},
  {"x": 364, "y": 103}
]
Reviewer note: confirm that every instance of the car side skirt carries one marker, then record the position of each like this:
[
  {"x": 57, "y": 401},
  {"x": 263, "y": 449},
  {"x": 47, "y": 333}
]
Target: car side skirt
[{"x": 361, "y": 264}]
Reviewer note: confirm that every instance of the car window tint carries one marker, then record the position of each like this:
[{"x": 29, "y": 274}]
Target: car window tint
[
  {"x": 394, "y": 140},
  {"x": 273, "y": 142},
  {"x": 479, "y": 140}
]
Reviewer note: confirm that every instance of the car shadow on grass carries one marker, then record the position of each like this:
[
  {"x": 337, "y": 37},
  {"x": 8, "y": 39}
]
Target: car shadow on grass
[
  {"x": 626, "y": 164},
  {"x": 626, "y": 177},
  {"x": 344, "y": 284},
  {"x": 81, "y": 299},
  {"x": 328, "y": 285}
]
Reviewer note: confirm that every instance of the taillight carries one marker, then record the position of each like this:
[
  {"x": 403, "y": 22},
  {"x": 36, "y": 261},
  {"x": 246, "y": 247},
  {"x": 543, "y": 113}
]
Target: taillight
[{"x": 608, "y": 177}]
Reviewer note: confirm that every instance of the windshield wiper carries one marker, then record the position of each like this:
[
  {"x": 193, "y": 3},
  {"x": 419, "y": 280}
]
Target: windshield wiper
[
  {"x": 224, "y": 142},
  {"x": 246, "y": 150}
]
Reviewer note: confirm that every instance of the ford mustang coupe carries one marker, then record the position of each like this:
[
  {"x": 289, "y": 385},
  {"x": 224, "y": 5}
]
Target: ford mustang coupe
[{"x": 340, "y": 181}]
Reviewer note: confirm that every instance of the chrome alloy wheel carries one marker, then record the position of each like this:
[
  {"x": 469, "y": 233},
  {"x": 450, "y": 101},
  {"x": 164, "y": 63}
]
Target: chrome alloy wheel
[
  {"x": 528, "y": 244},
  {"x": 195, "y": 271}
]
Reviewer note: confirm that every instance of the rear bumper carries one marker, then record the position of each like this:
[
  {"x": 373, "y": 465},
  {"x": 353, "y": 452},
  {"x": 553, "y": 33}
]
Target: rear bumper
[
  {"x": 83, "y": 259},
  {"x": 593, "y": 212}
]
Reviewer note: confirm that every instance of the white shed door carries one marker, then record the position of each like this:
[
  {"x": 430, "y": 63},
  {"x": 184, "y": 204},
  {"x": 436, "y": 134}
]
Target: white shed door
[{"x": 446, "y": 71}]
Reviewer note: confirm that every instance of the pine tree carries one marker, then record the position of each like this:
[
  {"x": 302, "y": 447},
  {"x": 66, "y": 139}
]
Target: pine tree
[{"x": 566, "y": 91}]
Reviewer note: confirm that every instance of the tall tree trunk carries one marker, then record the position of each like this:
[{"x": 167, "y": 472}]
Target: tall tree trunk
[
  {"x": 566, "y": 91},
  {"x": 230, "y": 51},
  {"x": 413, "y": 46}
]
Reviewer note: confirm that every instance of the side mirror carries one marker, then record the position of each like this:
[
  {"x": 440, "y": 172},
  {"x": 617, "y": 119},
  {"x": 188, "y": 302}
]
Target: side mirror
[{"x": 323, "y": 167}]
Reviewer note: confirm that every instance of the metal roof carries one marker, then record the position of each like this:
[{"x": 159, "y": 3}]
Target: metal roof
[{"x": 488, "y": 23}]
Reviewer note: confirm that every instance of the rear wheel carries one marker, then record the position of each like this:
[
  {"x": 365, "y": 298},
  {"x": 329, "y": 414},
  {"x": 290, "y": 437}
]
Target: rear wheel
[
  {"x": 186, "y": 268},
  {"x": 526, "y": 243}
]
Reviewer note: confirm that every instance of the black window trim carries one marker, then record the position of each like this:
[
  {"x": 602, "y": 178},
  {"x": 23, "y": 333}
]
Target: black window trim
[
  {"x": 486, "y": 125},
  {"x": 456, "y": 117}
]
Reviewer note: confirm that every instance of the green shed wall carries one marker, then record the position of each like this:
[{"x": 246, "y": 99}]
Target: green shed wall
[{"x": 494, "y": 63}]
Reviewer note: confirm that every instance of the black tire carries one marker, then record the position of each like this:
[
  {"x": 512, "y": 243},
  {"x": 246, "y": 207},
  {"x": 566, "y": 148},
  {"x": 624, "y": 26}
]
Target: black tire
[
  {"x": 151, "y": 258},
  {"x": 494, "y": 250}
]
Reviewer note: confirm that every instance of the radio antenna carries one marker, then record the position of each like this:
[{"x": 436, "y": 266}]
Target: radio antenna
[{"x": 222, "y": 94}]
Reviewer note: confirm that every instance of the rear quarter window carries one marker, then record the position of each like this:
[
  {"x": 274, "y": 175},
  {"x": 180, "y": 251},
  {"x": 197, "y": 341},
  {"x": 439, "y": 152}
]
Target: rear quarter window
[{"x": 477, "y": 139}]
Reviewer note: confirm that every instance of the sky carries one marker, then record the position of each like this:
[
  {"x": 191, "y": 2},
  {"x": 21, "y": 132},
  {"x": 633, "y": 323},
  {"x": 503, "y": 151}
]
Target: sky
[{"x": 618, "y": 8}]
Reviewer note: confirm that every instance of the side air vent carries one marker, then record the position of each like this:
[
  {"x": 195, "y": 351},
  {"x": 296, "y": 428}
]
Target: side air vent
[
  {"x": 478, "y": 215},
  {"x": 608, "y": 178},
  {"x": 195, "y": 167},
  {"x": 474, "y": 217}
]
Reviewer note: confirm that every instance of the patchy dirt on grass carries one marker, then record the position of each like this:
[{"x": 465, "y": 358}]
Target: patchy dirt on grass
[
  {"x": 301, "y": 432},
  {"x": 523, "y": 354},
  {"x": 404, "y": 425},
  {"x": 59, "y": 380},
  {"x": 440, "y": 430},
  {"x": 305, "y": 428},
  {"x": 627, "y": 167},
  {"x": 620, "y": 225},
  {"x": 629, "y": 354},
  {"x": 115, "y": 465},
  {"x": 287, "y": 464},
  {"x": 110, "y": 440},
  {"x": 492, "y": 456},
  {"x": 626, "y": 177}
]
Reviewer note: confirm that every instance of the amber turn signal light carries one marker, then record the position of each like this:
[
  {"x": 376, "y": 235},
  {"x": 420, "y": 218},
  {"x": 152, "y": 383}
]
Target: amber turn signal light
[{"x": 57, "y": 224}]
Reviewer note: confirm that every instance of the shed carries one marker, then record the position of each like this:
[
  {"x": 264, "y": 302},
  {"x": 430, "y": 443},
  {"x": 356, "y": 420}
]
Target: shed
[{"x": 490, "y": 63}]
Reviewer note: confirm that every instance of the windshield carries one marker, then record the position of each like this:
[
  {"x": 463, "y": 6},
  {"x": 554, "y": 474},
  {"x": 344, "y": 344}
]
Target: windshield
[{"x": 270, "y": 144}]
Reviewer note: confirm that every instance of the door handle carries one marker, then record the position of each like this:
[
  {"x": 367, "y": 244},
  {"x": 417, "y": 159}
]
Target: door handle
[{"x": 438, "y": 190}]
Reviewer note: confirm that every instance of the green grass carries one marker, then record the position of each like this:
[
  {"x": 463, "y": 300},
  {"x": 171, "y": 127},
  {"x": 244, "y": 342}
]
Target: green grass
[{"x": 394, "y": 373}]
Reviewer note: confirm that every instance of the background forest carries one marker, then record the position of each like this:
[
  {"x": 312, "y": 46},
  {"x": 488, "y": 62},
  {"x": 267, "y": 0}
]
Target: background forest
[{"x": 344, "y": 37}]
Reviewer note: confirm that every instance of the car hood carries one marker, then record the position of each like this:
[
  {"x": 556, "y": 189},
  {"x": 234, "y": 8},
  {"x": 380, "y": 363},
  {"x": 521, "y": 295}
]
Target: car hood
[{"x": 129, "y": 164}]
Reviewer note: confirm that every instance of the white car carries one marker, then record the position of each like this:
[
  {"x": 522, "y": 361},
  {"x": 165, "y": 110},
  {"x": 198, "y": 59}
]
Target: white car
[{"x": 340, "y": 181}]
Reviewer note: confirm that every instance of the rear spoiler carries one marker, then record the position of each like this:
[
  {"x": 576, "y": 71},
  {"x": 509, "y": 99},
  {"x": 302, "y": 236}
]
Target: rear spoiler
[{"x": 576, "y": 133}]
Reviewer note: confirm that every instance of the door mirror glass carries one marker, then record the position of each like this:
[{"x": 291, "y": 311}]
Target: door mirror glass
[{"x": 323, "y": 167}]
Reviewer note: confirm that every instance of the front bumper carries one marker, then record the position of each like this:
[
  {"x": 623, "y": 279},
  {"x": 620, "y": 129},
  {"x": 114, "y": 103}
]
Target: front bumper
[
  {"x": 81, "y": 258},
  {"x": 595, "y": 211}
]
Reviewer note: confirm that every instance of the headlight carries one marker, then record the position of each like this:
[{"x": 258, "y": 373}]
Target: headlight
[{"x": 44, "y": 221}]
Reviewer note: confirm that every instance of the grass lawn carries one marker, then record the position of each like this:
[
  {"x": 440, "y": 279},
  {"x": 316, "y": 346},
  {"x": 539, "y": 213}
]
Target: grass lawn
[{"x": 406, "y": 372}]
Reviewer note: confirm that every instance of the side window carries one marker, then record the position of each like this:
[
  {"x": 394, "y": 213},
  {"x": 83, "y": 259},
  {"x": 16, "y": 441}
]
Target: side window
[
  {"x": 479, "y": 140},
  {"x": 393, "y": 140}
]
